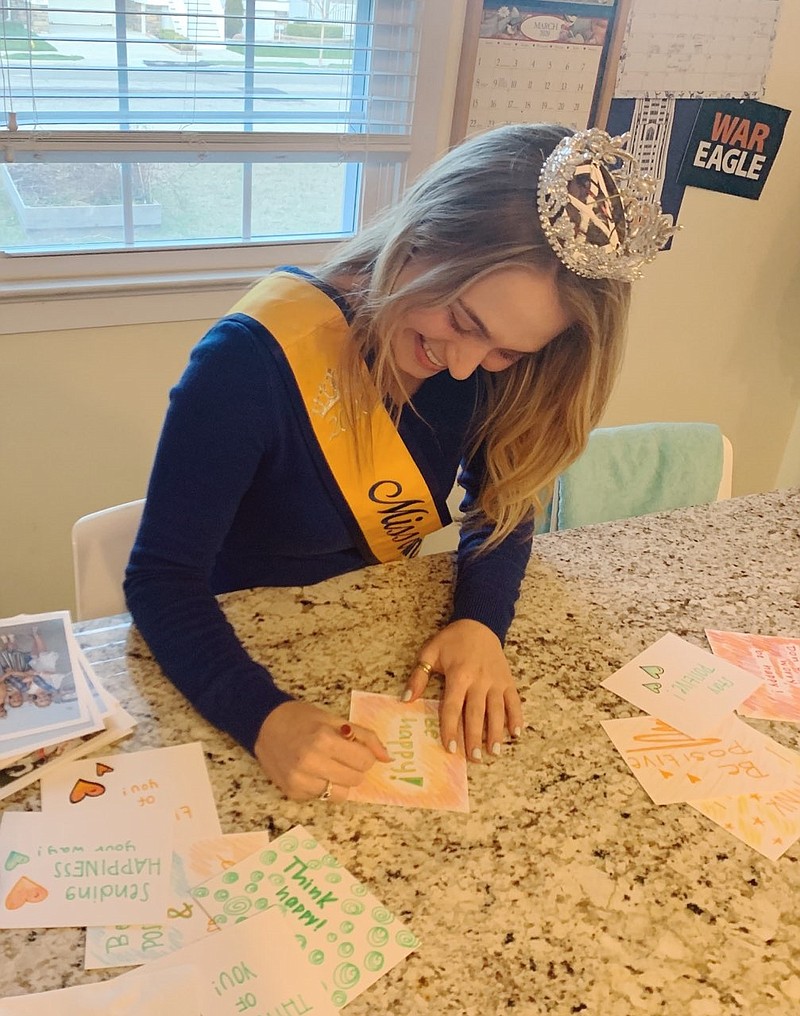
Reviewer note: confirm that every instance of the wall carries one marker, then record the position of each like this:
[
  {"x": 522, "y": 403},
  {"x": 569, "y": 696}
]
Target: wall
[{"x": 713, "y": 336}]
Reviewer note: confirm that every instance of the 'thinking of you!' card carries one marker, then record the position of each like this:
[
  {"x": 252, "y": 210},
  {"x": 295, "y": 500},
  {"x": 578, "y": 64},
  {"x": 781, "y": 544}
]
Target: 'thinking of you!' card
[
  {"x": 674, "y": 767},
  {"x": 686, "y": 687},
  {"x": 67, "y": 875},
  {"x": 256, "y": 968},
  {"x": 348, "y": 936},
  {"x": 773, "y": 658},
  {"x": 422, "y": 774}
]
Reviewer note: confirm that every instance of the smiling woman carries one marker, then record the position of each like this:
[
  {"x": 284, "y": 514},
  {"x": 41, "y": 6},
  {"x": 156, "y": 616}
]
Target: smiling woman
[{"x": 320, "y": 425}]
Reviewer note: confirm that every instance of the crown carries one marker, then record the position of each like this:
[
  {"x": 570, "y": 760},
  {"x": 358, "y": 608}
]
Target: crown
[{"x": 597, "y": 209}]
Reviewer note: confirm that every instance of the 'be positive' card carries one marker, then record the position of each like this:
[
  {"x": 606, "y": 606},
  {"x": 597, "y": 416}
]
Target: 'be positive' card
[
  {"x": 686, "y": 687},
  {"x": 674, "y": 767}
]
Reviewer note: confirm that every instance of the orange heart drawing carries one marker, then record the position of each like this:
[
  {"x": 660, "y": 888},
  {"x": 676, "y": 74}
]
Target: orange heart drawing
[
  {"x": 85, "y": 788},
  {"x": 101, "y": 768},
  {"x": 24, "y": 891}
]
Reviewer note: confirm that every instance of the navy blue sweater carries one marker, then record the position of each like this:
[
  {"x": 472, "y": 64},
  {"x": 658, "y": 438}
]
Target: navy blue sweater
[{"x": 237, "y": 499}]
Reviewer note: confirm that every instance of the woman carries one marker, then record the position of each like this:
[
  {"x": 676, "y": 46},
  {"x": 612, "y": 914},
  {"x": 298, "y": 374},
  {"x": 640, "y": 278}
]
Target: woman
[{"x": 319, "y": 427}]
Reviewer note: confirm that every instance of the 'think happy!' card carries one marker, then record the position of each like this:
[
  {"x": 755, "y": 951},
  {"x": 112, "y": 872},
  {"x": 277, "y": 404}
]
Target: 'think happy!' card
[
  {"x": 349, "y": 938},
  {"x": 422, "y": 774},
  {"x": 686, "y": 687}
]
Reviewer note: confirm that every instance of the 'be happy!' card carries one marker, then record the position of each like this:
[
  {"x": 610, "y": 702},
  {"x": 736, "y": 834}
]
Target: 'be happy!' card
[
  {"x": 674, "y": 767},
  {"x": 422, "y": 774},
  {"x": 686, "y": 687}
]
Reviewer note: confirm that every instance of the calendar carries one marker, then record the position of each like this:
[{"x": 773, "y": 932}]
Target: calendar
[
  {"x": 694, "y": 48},
  {"x": 539, "y": 82},
  {"x": 536, "y": 62}
]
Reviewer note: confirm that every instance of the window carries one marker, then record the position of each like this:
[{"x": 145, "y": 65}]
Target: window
[{"x": 213, "y": 136}]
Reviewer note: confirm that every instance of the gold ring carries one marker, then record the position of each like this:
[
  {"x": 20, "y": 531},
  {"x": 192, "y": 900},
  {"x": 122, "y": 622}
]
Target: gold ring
[
  {"x": 422, "y": 665},
  {"x": 326, "y": 793}
]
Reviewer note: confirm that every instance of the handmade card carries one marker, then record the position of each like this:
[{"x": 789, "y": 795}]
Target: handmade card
[
  {"x": 775, "y": 660},
  {"x": 348, "y": 936},
  {"x": 57, "y": 874},
  {"x": 686, "y": 687},
  {"x": 133, "y": 784},
  {"x": 770, "y": 823},
  {"x": 174, "y": 991},
  {"x": 422, "y": 774},
  {"x": 255, "y": 967},
  {"x": 183, "y": 921},
  {"x": 673, "y": 767}
]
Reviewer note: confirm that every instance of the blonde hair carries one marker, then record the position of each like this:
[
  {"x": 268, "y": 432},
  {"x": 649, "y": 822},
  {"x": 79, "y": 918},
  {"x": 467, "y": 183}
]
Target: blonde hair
[{"x": 470, "y": 214}]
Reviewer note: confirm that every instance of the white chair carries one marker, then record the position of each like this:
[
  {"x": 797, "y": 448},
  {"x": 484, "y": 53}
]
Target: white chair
[{"x": 101, "y": 546}]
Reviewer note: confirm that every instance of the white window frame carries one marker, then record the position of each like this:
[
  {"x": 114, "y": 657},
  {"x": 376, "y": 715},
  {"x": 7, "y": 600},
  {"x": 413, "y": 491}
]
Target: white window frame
[{"x": 43, "y": 292}]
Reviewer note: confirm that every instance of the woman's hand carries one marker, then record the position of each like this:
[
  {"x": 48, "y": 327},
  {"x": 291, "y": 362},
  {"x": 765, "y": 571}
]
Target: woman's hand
[
  {"x": 300, "y": 747},
  {"x": 478, "y": 685}
]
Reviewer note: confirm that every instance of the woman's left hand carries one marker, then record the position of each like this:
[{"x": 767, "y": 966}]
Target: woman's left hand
[{"x": 478, "y": 686}]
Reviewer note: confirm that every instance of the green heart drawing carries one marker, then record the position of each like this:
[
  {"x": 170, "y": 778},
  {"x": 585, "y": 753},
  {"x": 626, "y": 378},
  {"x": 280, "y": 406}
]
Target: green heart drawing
[{"x": 15, "y": 858}]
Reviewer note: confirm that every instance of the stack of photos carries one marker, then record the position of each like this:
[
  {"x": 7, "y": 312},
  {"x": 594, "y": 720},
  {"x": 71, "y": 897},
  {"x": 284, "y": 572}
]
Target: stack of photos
[{"x": 52, "y": 704}]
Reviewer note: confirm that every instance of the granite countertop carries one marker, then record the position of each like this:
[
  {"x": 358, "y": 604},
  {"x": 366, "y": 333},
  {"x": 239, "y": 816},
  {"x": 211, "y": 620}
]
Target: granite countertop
[{"x": 565, "y": 890}]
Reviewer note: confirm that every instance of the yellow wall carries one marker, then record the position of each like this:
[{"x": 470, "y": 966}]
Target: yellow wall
[{"x": 714, "y": 336}]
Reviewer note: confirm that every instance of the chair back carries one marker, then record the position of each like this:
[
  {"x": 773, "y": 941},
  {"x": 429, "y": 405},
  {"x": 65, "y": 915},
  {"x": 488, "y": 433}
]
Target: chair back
[
  {"x": 101, "y": 546},
  {"x": 640, "y": 469}
]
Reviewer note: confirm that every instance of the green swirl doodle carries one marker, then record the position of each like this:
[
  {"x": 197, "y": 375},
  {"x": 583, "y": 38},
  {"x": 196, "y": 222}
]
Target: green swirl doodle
[
  {"x": 352, "y": 907},
  {"x": 346, "y": 975},
  {"x": 221, "y": 895},
  {"x": 288, "y": 843},
  {"x": 378, "y": 937},
  {"x": 346, "y": 950},
  {"x": 316, "y": 956},
  {"x": 256, "y": 876},
  {"x": 200, "y": 893},
  {"x": 382, "y": 915},
  {"x": 230, "y": 877},
  {"x": 407, "y": 939},
  {"x": 333, "y": 876},
  {"x": 346, "y": 927},
  {"x": 237, "y": 906},
  {"x": 373, "y": 961},
  {"x": 339, "y": 999},
  {"x": 359, "y": 890},
  {"x": 268, "y": 857},
  {"x": 251, "y": 887}
]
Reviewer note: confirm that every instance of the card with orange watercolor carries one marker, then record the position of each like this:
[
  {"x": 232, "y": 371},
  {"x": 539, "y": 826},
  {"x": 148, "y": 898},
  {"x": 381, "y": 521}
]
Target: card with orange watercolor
[
  {"x": 769, "y": 823},
  {"x": 674, "y": 767},
  {"x": 773, "y": 658},
  {"x": 183, "y": 921},
  {"x": 422, "y": 774},
  {"x": 67, "y": 875},
  {"x": 686, "y": 687}
]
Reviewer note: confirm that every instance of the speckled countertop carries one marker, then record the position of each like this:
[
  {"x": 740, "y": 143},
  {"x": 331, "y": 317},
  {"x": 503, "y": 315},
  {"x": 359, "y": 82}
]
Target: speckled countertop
[{"x": 565, "y": 890}]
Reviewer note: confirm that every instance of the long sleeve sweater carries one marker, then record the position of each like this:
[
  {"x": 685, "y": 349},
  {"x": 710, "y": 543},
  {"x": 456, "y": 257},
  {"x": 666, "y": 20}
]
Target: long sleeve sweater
[{"x": 236, "y": 501}]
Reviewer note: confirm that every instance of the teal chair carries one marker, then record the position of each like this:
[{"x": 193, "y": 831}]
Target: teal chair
[{"x": 640, "y": 469}]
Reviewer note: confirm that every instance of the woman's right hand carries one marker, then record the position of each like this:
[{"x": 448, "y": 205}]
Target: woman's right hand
[{"x": 300, "y": 747}]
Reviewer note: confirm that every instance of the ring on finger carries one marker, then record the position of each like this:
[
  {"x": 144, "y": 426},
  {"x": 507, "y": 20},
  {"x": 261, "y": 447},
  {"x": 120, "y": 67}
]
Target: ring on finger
[
  {"x": 426, "y": 667},
  {"x": 326, "y": 793}
]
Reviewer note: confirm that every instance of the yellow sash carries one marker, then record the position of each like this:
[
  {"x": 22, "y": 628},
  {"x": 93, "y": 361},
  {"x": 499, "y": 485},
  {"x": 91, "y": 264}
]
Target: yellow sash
[{"x": 388, "y": 496}]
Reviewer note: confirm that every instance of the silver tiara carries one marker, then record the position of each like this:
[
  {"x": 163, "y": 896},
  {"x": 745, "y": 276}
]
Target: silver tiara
[{"x": 597, "y": 209}]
